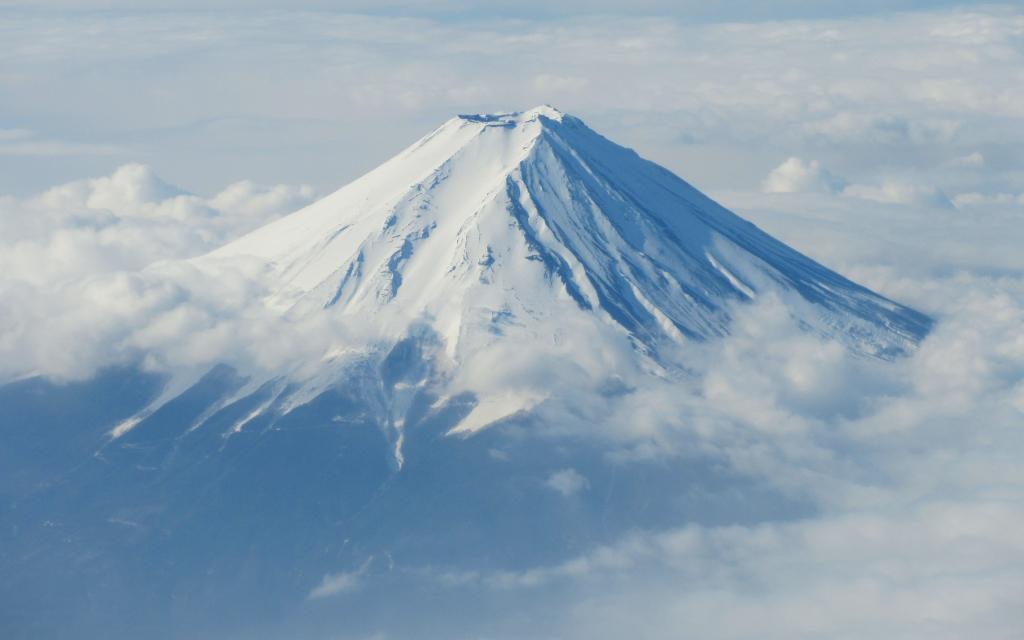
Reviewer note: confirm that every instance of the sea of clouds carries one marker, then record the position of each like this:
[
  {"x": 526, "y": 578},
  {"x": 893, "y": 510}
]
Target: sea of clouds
[{"x": 887, "y": 148}]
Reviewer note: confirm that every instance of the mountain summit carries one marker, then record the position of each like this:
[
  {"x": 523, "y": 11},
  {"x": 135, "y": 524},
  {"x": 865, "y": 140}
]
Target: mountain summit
[{"x": 503, "y": 220}]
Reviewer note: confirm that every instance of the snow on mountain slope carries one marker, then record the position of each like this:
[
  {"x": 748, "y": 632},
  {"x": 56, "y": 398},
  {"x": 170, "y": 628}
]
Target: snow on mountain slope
[
  {"x": 499, "y": 221},
  {"x": 517, "y": 257}
]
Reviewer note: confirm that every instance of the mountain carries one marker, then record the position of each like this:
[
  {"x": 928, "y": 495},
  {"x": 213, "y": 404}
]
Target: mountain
[
  {"x": 506, "y": 218},
  {"x": 507, "y": 286},
  {"x": 519, "y": 228}
]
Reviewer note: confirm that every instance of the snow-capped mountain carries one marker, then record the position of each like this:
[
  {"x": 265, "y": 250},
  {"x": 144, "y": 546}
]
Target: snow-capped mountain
[
  {"x": 502, "y": 220},
  {"x": 503, "y": 277},
  {"x": 531, "y": 231}
]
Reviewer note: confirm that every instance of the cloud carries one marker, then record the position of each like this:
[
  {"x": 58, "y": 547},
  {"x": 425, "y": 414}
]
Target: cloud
[
  {"x": 25, "y": 142},
  {"x": 91, "y": 273},
  {"x": 975, "y": 199},
  {"x": 796, "y": 175},
  {"x": 934, "y": 571},
  {"x": 252, "y": 200},
  {"x": 912, "y": 467},
  {"x": 877, "y": 130},
  {"x": 899, "y": 192},
  {"x": 973, "y": 159},
  {"x": 125, "y": 221},
  {"x": 566, "y": 482},
  {"x": 557, "y": 85},
  {"x": 918, "y": 85},
  {"x": 334, "y": 584}
]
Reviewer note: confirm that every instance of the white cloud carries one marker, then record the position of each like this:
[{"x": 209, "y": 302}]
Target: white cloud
[
  {"x": 25, "y": 142},
  {"x": 913, "y": 467},
  {"x": 83, "y": 286},
  {"x": 334, "y": 584},
  {"x": 899, "y": 192},
  {"x": 974, "y": 159},
  {"x": 934, "y": 571},
  {"x": 975, "y": 199},
  {"x": 567, "y": 482},
  {"x": 796, "y": 176},
  {"x": 559, "y": 85},
  {"x": 126, "y": 221},
  {"x": 866, "y": 128},
  {"x": 257, "y": 201}
]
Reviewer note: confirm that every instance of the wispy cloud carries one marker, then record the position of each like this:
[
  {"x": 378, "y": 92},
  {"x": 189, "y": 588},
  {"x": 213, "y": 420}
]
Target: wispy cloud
[
  {"x": 24, "y": 142},
  {"x": 334, "y": 584}
]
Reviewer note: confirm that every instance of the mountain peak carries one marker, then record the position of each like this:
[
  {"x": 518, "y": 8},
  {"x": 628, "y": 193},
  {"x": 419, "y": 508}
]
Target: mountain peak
[{"x": 515, "y": 118}]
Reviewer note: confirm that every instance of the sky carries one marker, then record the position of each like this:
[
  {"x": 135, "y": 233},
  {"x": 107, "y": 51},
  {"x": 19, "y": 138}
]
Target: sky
[
  {"x": 318, "y": 96},
  {"x": 883, "y": 143}
]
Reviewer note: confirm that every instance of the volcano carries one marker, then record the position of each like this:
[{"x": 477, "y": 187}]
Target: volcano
[
  {"x": 507, "y": 284},
  {"x": 529, "y": 231},
  {"x": 507, "y": 218}
]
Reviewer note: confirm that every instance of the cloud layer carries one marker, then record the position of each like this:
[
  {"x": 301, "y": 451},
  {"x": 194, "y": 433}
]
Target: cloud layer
[
  {"x": 912, "y": 467},
  {"x": 322, "y": 96},
  {"x": 93, "y": 272}
]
